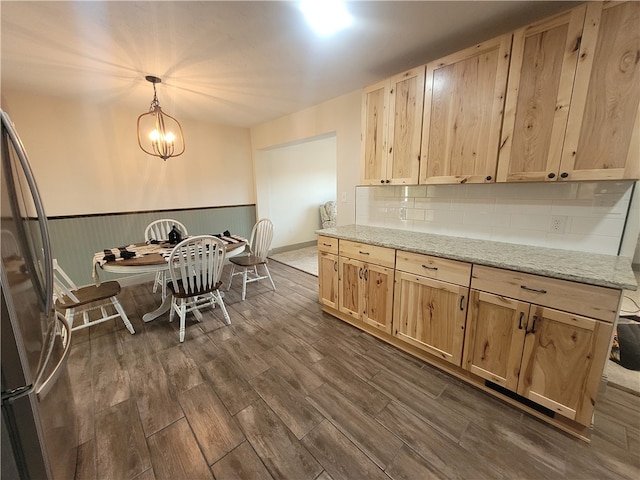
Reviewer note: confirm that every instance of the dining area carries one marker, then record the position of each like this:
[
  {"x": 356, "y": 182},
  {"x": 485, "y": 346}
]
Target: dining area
[{"x": 186, "y": 269}]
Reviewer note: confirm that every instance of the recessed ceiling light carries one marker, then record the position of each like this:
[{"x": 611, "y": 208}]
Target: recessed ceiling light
[{"x": 326, "y": 16}]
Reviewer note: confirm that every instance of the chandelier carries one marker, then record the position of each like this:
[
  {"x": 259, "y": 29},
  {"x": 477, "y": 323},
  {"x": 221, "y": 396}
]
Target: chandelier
[{"x": 159, "y": 134}]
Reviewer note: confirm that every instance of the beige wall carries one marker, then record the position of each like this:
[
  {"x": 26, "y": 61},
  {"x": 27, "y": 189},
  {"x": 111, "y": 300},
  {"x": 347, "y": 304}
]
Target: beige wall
[
  {"x": 86, "y": 159},
  {"x": 340, "y": 115}
]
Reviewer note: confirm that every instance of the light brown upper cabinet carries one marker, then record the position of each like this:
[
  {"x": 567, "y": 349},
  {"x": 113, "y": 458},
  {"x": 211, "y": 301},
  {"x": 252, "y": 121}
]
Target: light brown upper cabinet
[
  {"x": 572, "y": 106},
  {"x": 392, "y": 128},
  {"x": 464, "y": 101},
  {"x": 603, "y": 131},
  {"x": 544, "y": 57}
]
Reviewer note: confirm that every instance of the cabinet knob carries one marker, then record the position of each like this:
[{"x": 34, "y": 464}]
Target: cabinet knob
[
  {"x": 564, "y": 175},
  {"x": 551, "y": 175},
  {"x": 381, "y": 181},
  {"x": 488, "y": 178},
  {"x": 387, "y": 181}
]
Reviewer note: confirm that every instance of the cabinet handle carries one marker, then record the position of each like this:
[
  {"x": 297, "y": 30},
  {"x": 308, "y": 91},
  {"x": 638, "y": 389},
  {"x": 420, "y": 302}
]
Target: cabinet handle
[
  {"x": 520, "y": 321},
  {"x": 533, "y": 325},
  {"x": 429, "y": 268},
  {"x": 326, "y": 244},
  {"x": 363, "y": 253},
  {"x": 461, "y": 301},
  {"x": 564, "y": 175},
  {"x": 366, "y": 275},
  {"x": 335, "y": 266},
  {"x": 552, "y": 175},
  {"x": 360, "y": 273},
  {"x": 524, "y": 287}
]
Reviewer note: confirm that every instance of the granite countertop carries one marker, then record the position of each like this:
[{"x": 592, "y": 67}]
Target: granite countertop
[{"x": 590, "y": 268}]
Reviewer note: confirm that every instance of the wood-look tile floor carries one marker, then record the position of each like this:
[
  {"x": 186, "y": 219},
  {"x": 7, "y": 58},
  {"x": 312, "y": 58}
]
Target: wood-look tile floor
[{"x": 287, "y": 392}]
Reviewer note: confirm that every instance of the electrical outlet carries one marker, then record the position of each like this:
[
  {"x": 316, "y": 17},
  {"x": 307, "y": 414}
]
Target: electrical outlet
[{"x": 558, "y": 224}]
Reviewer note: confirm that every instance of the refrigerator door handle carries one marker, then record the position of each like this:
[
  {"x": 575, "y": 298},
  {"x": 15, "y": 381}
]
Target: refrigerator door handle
[{"x": 43, "y": 388}]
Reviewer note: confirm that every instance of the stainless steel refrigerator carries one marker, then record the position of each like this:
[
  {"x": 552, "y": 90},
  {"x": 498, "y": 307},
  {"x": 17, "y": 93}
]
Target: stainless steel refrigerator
[{"x": 39, "y": 426}]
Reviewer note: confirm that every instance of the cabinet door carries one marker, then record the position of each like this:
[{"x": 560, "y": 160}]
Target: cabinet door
[
  {"x": 350, "y": 274},
  {"x": 430, "y": 315},
  {"x": 464, "y": 101},
  {"x": 603, "y": 133},
  {"x": 562, "y": 362},
  {"x": 377, "y": 308},
  {"x": 543, "y": 65},
  {"x": 406, "y": 97},
  {"x": 373, "y": 158},
  {"x": 495, "y": 338},
  {"x": 328, "y": 279}
]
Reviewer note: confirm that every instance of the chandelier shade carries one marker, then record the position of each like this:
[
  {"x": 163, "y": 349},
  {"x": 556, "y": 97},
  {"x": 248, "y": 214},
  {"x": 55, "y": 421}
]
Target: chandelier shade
[{"x": 159, "y": 134}]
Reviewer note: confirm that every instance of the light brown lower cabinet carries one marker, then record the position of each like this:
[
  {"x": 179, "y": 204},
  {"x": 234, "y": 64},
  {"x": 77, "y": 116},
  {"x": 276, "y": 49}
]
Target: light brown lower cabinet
[
  {"x": 328, "y": 271},
  {"x": 365, "y": 281},
  {"x": 366, "y": 292},
  {"x": 430, "y": 304},
  {"x": 328, "y": 279},
  {"x": 551, "y": 357}
]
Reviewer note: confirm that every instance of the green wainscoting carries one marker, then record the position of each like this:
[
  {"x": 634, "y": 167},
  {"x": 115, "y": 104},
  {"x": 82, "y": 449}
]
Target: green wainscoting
[{"x": 75, "y": 239}]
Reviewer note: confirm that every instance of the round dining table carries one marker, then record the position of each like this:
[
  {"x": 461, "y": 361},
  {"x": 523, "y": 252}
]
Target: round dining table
[{"x": 154, "y": 262}]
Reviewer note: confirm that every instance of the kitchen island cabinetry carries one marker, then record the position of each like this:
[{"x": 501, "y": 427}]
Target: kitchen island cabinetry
[
  {"x": 365, "y": 282},
  {"x": 530, "y": 325},
  {"x": 552, "y": 357},
  {"x": 392, "y": 128},
  {"x": 328, "y": 271},
  {"x": 430, "y": 304},
  {"x": 464, "y": 101}
]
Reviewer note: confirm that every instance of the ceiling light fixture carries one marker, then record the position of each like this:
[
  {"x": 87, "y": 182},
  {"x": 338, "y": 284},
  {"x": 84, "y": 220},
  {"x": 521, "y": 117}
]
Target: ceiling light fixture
[
  {"x": 326, "y": 17},
  {"x": 159, "y": 134}
]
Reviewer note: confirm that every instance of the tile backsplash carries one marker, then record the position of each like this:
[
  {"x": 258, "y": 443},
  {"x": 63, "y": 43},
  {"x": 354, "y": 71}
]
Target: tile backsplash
[{"x": 584, "y": 216}]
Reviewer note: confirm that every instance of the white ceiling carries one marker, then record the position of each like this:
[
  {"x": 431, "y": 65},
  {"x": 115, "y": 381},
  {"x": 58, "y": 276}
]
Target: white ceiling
[{"x": 237, "y": 63}]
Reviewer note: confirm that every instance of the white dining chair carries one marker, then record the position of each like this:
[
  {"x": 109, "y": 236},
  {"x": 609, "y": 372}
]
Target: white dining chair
[
  {"x": 195, "y": 268},
  {"x": 158, "y": 230},
  {"x": 259, "y": 244},
  {"x": 73, "y": 300}
]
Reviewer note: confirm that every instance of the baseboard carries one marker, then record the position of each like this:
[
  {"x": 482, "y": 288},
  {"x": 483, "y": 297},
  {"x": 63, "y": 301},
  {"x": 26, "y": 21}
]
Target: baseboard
[{"x": 296, "y": 246}]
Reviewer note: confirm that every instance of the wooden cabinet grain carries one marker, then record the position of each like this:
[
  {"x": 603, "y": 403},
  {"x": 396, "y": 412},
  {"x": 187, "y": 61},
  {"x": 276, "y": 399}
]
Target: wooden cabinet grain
[
  {"x": 603, "y": 134},
  {"x": 430, "y": 311},
  {"x": 544, "y": 58},
  {"x": 365, "y": 280},
  {"x": 554, "y": 358},
  {"x": 572, "y": 107},
  {"x": 392, "y": 128},
  {"x": 464, "y": 101},
  {"x": 328, "y": 271}
]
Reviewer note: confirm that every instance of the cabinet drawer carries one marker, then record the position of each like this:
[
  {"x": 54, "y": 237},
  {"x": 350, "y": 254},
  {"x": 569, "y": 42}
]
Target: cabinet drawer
[
  {"x": 437, "y": 268},
  {"x": 588, "y": 300},
  {"x": 368, "y": 253},
  {"x": 327, "y": 244}
]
